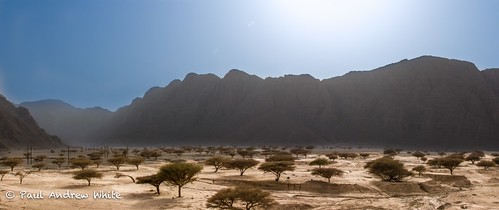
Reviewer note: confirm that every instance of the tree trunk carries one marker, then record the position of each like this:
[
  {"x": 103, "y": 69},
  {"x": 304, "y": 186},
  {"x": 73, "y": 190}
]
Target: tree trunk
[
  {"x": 179, "y": 191},
  {"x": 88, "y": 180},
  {"x": 329, "y": 180},
  {"x": 157, "y": 189}
]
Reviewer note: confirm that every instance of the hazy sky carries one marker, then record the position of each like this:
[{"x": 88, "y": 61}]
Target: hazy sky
[{"x": 107, "y": 52}]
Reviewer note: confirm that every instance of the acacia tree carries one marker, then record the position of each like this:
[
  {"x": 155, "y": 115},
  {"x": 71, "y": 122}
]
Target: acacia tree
[
  {"x": 153, "y": 180},
  {"x": 87, "y": 174},
  {"x": 59, "y": 162},
  {"x": 450, "y": 163},
  {"x": 420, "y": 169},
  {"x": 320, "y": 162},
  {"x": 21, "y": 175},
  {"x": 81, "y": 163},
  {"x": 486, "y": 164},
  {"x": 136, "y": 161},
  {"x": 117, "y": 161},
  {"x": 418, "y": 154},
  {"x": 327, "y": 172},
  {"x": 2, "y": 174},
  {"x": 11, "y": 162},
  {"x": 39, "y": 166},
  {"x": 277, "y": 168},
  {"x": 119, "y": 175},
  {"x": 388, "y": 169},
  {"x": 332, "y": 156},
  {"x": 216, "y": 161},
  {"x": 179, "y": 174},
  {"x": 241, "y": 164},
  {"x": 473, "y": 157},
  {"x": 250, "y": 198}
]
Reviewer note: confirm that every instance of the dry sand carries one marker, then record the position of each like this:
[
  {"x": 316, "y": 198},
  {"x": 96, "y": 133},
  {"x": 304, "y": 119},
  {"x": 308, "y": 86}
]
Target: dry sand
[{"x": 356, "y": 189}]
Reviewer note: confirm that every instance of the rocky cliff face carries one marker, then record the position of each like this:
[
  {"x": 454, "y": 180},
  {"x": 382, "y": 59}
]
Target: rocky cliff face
[
  {"x": 73, "y": 125},
  {"x": 427, "y": 101},
  {"x": 18, "y": 129}
]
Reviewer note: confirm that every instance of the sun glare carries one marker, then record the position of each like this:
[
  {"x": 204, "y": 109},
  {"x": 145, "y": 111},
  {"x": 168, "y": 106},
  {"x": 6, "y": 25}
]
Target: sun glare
[{"x": 323, "y": 13}]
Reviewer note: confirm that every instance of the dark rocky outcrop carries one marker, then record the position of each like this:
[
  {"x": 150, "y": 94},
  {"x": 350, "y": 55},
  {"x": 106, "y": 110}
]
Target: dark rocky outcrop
[
  {"x": 19, "y": 130},
  {"x": 424, "y": 102}
]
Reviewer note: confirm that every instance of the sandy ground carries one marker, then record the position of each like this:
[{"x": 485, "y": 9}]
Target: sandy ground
[{"x": 356, "y": 189}]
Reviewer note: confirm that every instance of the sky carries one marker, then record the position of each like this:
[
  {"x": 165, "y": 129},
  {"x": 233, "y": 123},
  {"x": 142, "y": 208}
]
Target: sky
[{"x": 107, "y": 52}]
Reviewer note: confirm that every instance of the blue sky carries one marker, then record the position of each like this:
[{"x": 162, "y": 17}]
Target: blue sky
[{"x": 107, "y": 52}]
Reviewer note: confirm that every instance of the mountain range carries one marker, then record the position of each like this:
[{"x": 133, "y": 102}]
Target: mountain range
[
  {"x": 19, "y": 130},
  {"x": 423, "y": 102},
  {"x": 75, "y": 126}
]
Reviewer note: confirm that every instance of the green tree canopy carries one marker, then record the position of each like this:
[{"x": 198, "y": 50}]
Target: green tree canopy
[{"x": 179, "y": 174}]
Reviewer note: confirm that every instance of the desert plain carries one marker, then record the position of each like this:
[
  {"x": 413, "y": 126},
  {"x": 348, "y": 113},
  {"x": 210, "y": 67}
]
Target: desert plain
[{"x": 470, "y": 186}]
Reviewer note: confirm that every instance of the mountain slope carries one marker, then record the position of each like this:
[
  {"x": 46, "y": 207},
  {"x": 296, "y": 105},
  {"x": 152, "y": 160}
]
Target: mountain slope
[
  {"x": 18, "y": 129},
  {"x": 73, "y": 125},
  {"x": 423, "y": 102}
]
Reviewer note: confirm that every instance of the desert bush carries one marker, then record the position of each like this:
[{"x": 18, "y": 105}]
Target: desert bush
[
  {"x": 420, "y": 169},
  {"x": 277, "y": 167},
  {"x": 332, "y": 156},
  {"x": 117, "y": 161},
  {"x": 250, "y": 198},
  {"x": 327, "y": 172},
  {"x": 136, "y": 161},
  {"x": 39, "y": 166},
  {"x": 457, "y": 155},
  {"x": 390, "y": 152},
  {"x": 424, "y": 159},
  {"x": 486, "y": 164},
  {"x": 81, "y": 163},
  {"x": 495, "y": 154},
  {"x": 216, "y": 161},
  {"x": 388, "y": 169},
  {"x": 87, "y": 174},
  {"x": 153, "y": 180},
  {"x": 179, "y": 174},
  {"x": 320, "y": 162},
  {"x": 364, "y": 155},
  {"x": 11, "y": 162},
  {"x": 280, "y": 157},
  {"x": 241, "y": 164},
  {"x": 496, "y": 160}
]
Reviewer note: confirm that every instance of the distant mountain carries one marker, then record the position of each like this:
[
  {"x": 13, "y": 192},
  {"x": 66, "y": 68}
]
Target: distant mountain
[
  {"x": 423, "y": 102},
  {"x": 73, "y": 125},
  {"x": 18, "y": 129}
]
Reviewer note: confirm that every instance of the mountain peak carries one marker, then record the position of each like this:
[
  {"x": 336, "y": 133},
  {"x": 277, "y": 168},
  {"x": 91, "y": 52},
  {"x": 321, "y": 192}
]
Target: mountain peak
[{"x": 235, "y": 73}]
